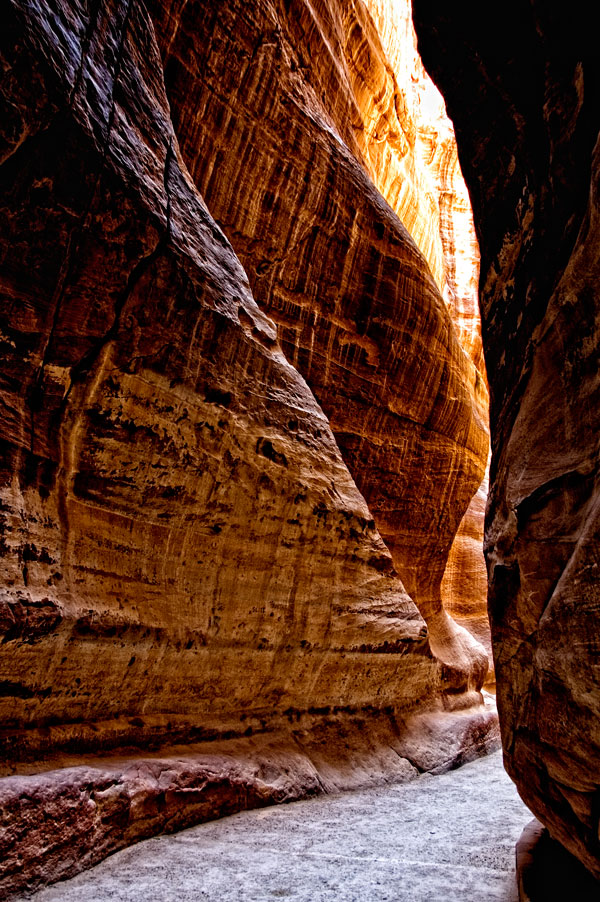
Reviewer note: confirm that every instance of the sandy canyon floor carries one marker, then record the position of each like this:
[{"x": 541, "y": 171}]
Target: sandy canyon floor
[{"x": 449, "y": 838}]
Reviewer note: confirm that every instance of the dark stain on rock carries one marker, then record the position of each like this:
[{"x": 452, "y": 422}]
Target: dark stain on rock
[
  {"x": 27, "y": 619},
  {"x": 264, "y": 447},
  {"x": 216, "y": 396}
]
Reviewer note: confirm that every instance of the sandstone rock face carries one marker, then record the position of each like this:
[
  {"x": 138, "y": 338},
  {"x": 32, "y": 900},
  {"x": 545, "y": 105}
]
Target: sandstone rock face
[
  {"x": 421, "y": 178},
  {"x": 434, "y": 205},
  {"x": 278, "y": 109},
  {"x": 464, "y": 586},
  {"x": 178, "y": 520},
  {"x": 185, "y": 553},
  {"x": 527, "y": 122}
]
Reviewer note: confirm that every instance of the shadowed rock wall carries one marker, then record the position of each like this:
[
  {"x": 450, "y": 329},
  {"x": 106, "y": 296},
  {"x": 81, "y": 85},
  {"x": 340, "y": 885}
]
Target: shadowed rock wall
[{"x": 524, "y": 97}]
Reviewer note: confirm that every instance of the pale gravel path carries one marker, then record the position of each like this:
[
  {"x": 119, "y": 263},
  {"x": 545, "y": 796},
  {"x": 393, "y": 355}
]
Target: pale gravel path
[{"x": 437, "y": 839}]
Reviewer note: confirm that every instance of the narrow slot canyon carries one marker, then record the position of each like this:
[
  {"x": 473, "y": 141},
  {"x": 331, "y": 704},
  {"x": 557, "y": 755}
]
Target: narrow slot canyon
[{"x": 279, "y": 320}]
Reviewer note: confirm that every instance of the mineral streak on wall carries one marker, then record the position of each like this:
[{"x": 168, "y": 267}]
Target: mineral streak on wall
[{"x": 525, "y": 99}]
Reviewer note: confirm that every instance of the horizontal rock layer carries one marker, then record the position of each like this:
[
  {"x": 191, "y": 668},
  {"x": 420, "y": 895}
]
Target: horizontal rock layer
[{"x": 527, "y": 125}]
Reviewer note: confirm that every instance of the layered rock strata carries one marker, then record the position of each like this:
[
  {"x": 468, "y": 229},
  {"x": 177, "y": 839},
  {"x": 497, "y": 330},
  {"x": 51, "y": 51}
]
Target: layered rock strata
[
  {"x": 274, "y": 107},
  {"x": 185, "y": 555},
  {"x": 524, "y": 100}
]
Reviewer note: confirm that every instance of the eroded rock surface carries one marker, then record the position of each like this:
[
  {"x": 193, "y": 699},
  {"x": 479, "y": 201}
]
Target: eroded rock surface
[
  {"x": 524, "y": 97},
  {"x": 177, "y": 515},
  {"x": 276, "y": 109},
  {"x": 420, "y": 176},
  {"x": 55, "y": 823},
  {"x": 185, "y": 553}
]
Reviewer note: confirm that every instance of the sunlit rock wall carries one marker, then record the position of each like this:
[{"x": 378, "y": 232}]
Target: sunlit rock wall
[
  {"x": 524, "y": 97},
  {"x": 181, "y": 536},
  {"x": 421, "y": 176},
  {"x": 276, "y": 109}
]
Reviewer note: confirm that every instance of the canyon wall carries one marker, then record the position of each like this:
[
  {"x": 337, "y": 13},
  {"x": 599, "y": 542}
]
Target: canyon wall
[
  {"x": 421, "y": 176},
  {"x": 464, "y": 586},
  {"x": 279, "y": 109},
  {"x": 524, "y": 97},
  {"x": 407, "y": 142},
  {"x": 194, "y": 549},
  {"x": 176, "y": 512}
]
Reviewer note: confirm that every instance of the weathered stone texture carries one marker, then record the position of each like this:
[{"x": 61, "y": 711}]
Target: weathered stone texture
[
  {"x": 421, "y": 177},
  {"x": 185, "y": 552},
  {"x": 266, "y": 102},
  {"x": 524, "y": 97},
  {"x": 434, "y": 205},
  {"x": 177, "y": 515}
]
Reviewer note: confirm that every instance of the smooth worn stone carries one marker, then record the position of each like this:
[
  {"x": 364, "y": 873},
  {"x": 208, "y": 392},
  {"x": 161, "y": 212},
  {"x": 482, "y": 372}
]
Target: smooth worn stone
[
  {"x": 449, "y": 837},
  {"x": 524, "y": 96},
  {"x": 464, "y": 586}
]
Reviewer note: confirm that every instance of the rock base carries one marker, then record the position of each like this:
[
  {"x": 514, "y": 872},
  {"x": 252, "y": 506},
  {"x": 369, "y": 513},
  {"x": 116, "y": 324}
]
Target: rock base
[
  {"x": 546, "y": 872},
  {"x": 57, "y": 822}
]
